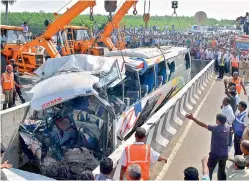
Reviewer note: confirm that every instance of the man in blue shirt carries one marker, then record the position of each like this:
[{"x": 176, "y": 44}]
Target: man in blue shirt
[
  {"x": 219, "y": 147},
  {"x": 240, "y": 123}
]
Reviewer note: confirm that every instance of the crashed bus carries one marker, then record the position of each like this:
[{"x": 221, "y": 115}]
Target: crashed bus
[{"x": 84, "y": 106}]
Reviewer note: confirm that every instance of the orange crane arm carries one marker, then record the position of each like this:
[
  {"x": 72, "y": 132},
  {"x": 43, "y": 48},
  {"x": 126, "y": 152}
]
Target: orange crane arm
[
  {"x": 114, "y": 24},
  {"x": 118, "y": 17},
  {"x": 59, "y": 24},
  {"x": 64, "y": 19}
]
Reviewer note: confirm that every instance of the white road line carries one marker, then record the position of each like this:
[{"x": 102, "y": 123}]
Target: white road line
[{"x": 181, "y": 139}]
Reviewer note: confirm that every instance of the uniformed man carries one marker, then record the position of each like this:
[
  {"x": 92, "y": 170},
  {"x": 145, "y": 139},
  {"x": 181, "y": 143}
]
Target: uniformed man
[
  {"x": 246, "y": 70},
  {"x": 241, "y": 67},
  {"x": 221, "y": 63},
  {"x": 141, "y": 154},
  {"x": 8, "y": 86}
]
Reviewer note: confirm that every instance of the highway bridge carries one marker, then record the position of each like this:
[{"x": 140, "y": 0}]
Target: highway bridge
[{"x": 168, "y": 132}]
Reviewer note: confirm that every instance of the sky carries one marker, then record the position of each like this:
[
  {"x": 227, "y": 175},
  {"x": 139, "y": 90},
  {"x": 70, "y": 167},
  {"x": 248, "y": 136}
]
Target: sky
[{"x": 219, "y": 9}]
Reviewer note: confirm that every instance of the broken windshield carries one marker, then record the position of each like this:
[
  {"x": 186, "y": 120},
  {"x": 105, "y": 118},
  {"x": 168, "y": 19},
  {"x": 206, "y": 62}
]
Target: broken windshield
[{"x": 79, "y": 125}]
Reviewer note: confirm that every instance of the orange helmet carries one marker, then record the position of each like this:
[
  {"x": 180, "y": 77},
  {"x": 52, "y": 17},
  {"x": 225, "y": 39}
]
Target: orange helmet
[{"x": 9, "y": 67}]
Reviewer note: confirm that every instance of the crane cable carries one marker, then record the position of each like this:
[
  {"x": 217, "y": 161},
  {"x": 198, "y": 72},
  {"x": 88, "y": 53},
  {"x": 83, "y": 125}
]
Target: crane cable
[
  {"x": 64, "y": 6},
  {"x": 146, "y": 16}
]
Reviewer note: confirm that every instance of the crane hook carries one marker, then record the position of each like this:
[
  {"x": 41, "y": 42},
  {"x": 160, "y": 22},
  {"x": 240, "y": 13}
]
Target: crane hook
[
  {"x": 91, "y": 14},
  {"x": 135, "y": 9}
]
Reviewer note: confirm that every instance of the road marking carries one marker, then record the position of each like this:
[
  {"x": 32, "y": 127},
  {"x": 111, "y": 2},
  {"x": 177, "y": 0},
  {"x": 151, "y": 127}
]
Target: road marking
[{"x": 181, "y": 139}]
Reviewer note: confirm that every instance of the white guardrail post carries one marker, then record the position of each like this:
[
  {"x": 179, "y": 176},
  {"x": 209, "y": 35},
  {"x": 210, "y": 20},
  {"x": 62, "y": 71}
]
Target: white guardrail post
[{"x": 163, "y": 125}]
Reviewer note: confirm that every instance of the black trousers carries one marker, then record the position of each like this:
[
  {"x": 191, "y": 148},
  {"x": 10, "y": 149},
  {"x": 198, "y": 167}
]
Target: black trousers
[
  {"x": 234, "y": 69},
  {"x": 221, "y": 71},
  {"x": 19, "y": 92},
  {"x": 237, "y": 150},
  {"x": 213, "y": 160}
]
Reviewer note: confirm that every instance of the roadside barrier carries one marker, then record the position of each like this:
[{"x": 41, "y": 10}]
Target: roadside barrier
[
  {"x": 10, "y": 122},
  {"x": 164, "y": 124},
  {"x": 161, "y": 127}
]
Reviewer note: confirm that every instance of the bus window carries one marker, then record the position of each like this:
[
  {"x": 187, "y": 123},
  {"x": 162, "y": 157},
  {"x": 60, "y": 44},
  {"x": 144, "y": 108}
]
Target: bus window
[
  {"x": 147, "y": 79},
  {"x": 131, "y": 87},
  {"x": 187, "y": 60},
  {"x": 171, "y": 66},
  {"x": 161, "y": 73},
  {"x": 116, "y": 97}
]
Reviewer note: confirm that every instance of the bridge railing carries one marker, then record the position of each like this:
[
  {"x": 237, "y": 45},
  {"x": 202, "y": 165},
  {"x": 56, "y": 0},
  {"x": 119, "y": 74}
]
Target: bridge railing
[{"x": 164, "y": 124}]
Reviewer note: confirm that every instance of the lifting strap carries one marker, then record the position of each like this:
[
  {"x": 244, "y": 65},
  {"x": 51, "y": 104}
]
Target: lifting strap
[{"x": 146, "y": 16}]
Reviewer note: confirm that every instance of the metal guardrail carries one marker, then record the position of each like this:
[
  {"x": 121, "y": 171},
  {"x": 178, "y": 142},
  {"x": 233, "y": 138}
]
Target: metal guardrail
[{"x": 164, "y": 124}]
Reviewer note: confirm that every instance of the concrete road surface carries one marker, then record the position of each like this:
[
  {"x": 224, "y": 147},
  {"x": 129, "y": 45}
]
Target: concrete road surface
[{"x": 192, "y": 142}]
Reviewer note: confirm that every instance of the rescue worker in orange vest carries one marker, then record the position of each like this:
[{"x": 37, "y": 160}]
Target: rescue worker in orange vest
[
  {"x": 141, "y": 154},
  {"x": 234, "y": 64},
  {"x": 239, "y": 83},
  {"x": 8, "y": 83}
]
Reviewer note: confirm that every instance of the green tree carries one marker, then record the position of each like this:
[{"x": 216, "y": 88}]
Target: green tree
[{"x": 6, "y": 3}]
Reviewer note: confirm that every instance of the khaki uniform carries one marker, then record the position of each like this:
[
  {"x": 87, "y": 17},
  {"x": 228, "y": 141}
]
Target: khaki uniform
[
  {"x": 247, "y": 71},
  {"x": 241, "y": 68}
]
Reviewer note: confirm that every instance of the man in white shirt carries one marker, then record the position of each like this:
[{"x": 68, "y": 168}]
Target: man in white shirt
[{"x": 226, "y": 109}]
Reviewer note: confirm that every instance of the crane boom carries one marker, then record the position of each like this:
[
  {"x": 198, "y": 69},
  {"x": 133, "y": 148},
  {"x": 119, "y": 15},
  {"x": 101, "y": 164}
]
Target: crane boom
[
  {"x": 114, "y": 24},
  {"x": 59, "y": 24},
  {"x": 64, "y": 19}
]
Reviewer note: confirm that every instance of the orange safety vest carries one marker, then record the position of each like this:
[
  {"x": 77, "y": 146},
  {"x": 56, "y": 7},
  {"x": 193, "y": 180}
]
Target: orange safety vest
[
  {"x": 8, "y": 81},
  {"x": 139, "y": 154},
  {"x": 238, "y": 84},
  {"x": 235, "y": 63}
]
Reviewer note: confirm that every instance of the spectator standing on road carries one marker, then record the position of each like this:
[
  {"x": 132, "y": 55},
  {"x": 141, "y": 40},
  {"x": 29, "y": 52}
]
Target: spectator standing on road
[
  {"x": 246, "y": 70},
  {"x": 8, "y": 86},
  {"x": 141, "y": 154},
  {"x": 221, "y": 62},
  {"x": 18, "y": 85},
  {"x": 238, "y": 171},
  {"x": 219, "y": 147},
  {"x": 106, "y": 166},
  {"x": 239, "y": 83},
  {"x": 241, "y": 67},
  {"x": 239, "y": 126},
  {"x": 227, "y": 110},
  {"x": 230, "y": 91}
]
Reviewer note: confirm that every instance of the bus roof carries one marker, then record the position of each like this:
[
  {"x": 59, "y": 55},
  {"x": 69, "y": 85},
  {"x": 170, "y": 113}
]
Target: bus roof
[
  {"x": 7, "y": 27},
  {"x": 135, "y": 58}
]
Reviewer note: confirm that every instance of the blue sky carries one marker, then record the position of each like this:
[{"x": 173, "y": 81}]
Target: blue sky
[{"x": 219, "y": 9}]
